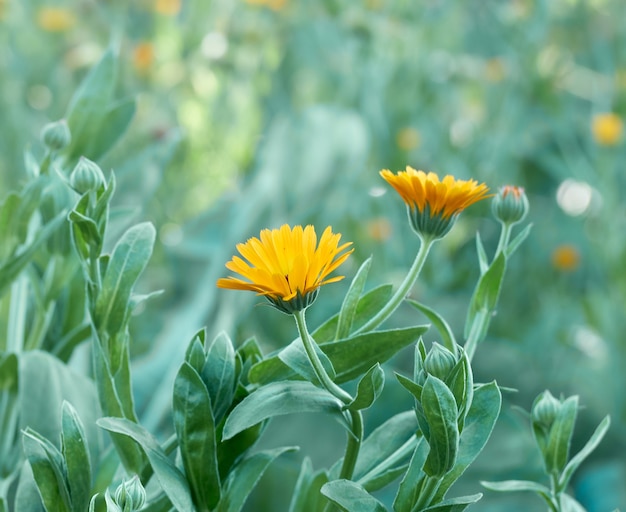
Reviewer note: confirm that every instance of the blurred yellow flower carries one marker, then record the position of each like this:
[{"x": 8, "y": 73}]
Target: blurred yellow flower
[
  {"x": 287, "y": 265},
  {"x": 379, "y": 229},
  {"x": 495, "y": 70},
  {"x": 408, "y": 138},
  {"x": 607, "y": 128},
  {"x": 275, "y": 5},
  {"x": 3, "y": 9},
  {"x": 167, "y": 7},
  {"x": 143, "y": 56},
  {"x": 566, "y": 258},
  {"x": 433, "y": 204},
  {"x": 55, "y": 19}
]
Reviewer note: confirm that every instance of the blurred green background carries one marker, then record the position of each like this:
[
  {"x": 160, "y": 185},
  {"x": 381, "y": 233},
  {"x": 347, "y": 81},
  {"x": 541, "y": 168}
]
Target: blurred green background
[{"x": 254, "y": 113}]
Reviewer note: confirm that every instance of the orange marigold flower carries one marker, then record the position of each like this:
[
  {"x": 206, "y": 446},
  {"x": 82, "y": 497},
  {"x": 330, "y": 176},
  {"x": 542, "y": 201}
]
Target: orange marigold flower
[
  {"x": 167, "y": 7},
  {"x": 143, "y": 56},
  {"x": 55, "y": 19},
  {"x": 287, "y": 265},
  {"x": 434, "y": 204},
  {"x": 566, "y": 258},
  {"x": 607, "y": 129}
]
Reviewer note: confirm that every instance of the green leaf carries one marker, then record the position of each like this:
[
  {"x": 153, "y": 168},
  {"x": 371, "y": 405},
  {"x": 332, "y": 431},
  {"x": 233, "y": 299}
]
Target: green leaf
[
  {"x": 517, "y": 241},
  {"x": 369, "y": 304},
  {"x": 129, "y": 258},
  {"x": 170, "y": 478},
  {"x": 113, "y": 125},
  {"x": 410, "y": 484},
  {"x": 306, "y": 494},
  {"x": 280, "y": 398},
  {"x": 412, "y": 387},
  {"x": 195, "y": 430},
  {"x": 487, "y": 291},
  {"x": 351, "y": 301},
  {"x": 244, "y": 477},
  {"x": 369, "y": 389},
  {"x": 483, "y": 261},
  {"x": 577, "y": 459},
  {"x": 350, "y": 358},
  {"x": 386, "y": 446},
  {"x": 46, "y": 463},
  {"x": 454, "y": 504},
  {"x": 90, "y": 103},
  {"x": 447, "y": 336},
  {"x": 479, "y": 424},
  {"x": 218, "y": 374},
  {"x": 516, "y": 485},
  {"x": 76, "y": 455},
  {"x": 557, "y": 450},
  {"x": 384, "y": 478},
  {"x": 27, "y": 497},
  {"x": 8, "y": 372},
  {"x": 569, "y": 504},
  {"x": 351, "y": 497},
  {"x": 441, "y": 414}
]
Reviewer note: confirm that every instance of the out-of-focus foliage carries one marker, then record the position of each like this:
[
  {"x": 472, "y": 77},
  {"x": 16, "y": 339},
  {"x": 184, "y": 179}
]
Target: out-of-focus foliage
[{"x": 254, "y": 113}]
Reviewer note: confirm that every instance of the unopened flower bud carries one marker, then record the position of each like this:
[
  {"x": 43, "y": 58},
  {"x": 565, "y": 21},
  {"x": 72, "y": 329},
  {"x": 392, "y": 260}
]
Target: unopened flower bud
[
  {"x": 130, "y": 495},
  {"x": 56, "y": 135},
  {"x": 86, "y": 176},
  {"x": 439, "y": 361},
  {"x": 545, "y": 410},
  {"x": 510, "y": 205}
]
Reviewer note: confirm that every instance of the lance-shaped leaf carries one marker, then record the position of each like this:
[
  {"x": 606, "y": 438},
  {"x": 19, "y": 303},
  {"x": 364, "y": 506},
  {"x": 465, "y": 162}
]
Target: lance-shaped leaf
[
  {"x": 369, "y": 389},
  {"x": 218, "y": 374},
  {"x": 411, "y": 483},
  {"x": 129, "y": 258},
  {"x": 441, "y": 414},
  {"x": 479, "y": 424},
  {"x": 351, "y": 497},
  {"x": 454, "y": 504},
  {"x": 487, "y": 291},
  {"x": 170, "y": 478},
  {"x": 351, "y": 301},
  {"x": 517, "y": 241},
  {"x": 280, "y": 398},
  {"x": 115, "y": 121},
  {"x": 557, "y": 450},
  {"x": 445, "y": 331},
  {"x": 350, "y": 358},
  {"x": 306, "y": 494},
  {"x": 76, "y": 455},
  {"x": 244, "y": 477},
  {"x": 195, "y": 430},
  {"x": 577, "y": 459},
  {"x": 46, "y": 463},
  {"x": 520, "y": 485},
  {"x": 483, "y": 261}
]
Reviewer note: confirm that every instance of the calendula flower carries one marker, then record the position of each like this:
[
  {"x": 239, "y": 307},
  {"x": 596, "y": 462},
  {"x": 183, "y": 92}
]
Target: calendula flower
[
  {"x": 55, "y": 19},
  {"x": 566, "y": 258},
  {"x": 510, "y": 204},
  {"x": 287, "y": 265},
  {"x": 607, "y": 129},
  {"x": 434, "y": 204},
  {"x": 143, "y": 56}
]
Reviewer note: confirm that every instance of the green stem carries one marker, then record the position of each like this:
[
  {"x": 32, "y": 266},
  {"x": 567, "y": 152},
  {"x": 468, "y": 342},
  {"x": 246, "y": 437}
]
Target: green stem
[
  {"x": 429, "y": 488},
  {"x": 505, "y": 235},
  {"x": 356, "y": 419},
  {"x": 402, "y": 291}
]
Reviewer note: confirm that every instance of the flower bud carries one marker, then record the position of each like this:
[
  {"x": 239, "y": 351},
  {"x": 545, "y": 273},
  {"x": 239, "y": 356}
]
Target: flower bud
[
  {"x": 56, "y": 135},
  {"x": 545, "y": 410},
  {"x": 439, "y": 361},
  {"x": 86, "y": 176},
  {"x": 510, "y": 205},
  {"x": 130, "y": 495}
]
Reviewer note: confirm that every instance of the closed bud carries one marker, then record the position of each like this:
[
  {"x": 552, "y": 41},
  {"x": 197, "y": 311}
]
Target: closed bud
[
  {"x": 56, "y": 135},
  {"x": 545, "y": 410},
  {"x": 130, "y": 495},
  {"x": 86, "y": 176},
  {"x": 439, "y": 362},
  {"x": 510, "y": 205}
]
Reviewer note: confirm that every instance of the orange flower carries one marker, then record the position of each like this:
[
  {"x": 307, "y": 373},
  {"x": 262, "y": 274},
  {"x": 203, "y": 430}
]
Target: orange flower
[
  {"x": 167, "y": 7},
  {"x": 143, "y": 56},
  {"x": 566, "y": 258},
  {"x": 607, "y": 129},
  {"x": 287, "y": 265}
]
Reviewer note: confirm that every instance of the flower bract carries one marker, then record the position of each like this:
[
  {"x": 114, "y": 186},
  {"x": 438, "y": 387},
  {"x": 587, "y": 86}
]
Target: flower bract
[
  {"x": 433, "y": 204},
  {"x": 287, "y": 265}
]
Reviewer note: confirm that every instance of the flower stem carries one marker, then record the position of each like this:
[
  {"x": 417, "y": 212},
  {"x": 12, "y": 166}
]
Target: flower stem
[
  {"x": 356, "y": 419},
  {"x": 505, "y": 235},
  {"x": 403, "y": 290}
]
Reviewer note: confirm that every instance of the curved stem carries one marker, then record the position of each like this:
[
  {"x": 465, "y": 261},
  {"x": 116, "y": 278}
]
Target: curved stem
[
  {"x": 353, "y": 446},
  {"x": 402, "y": 291},
  {"x": 320, "y": 372}
]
